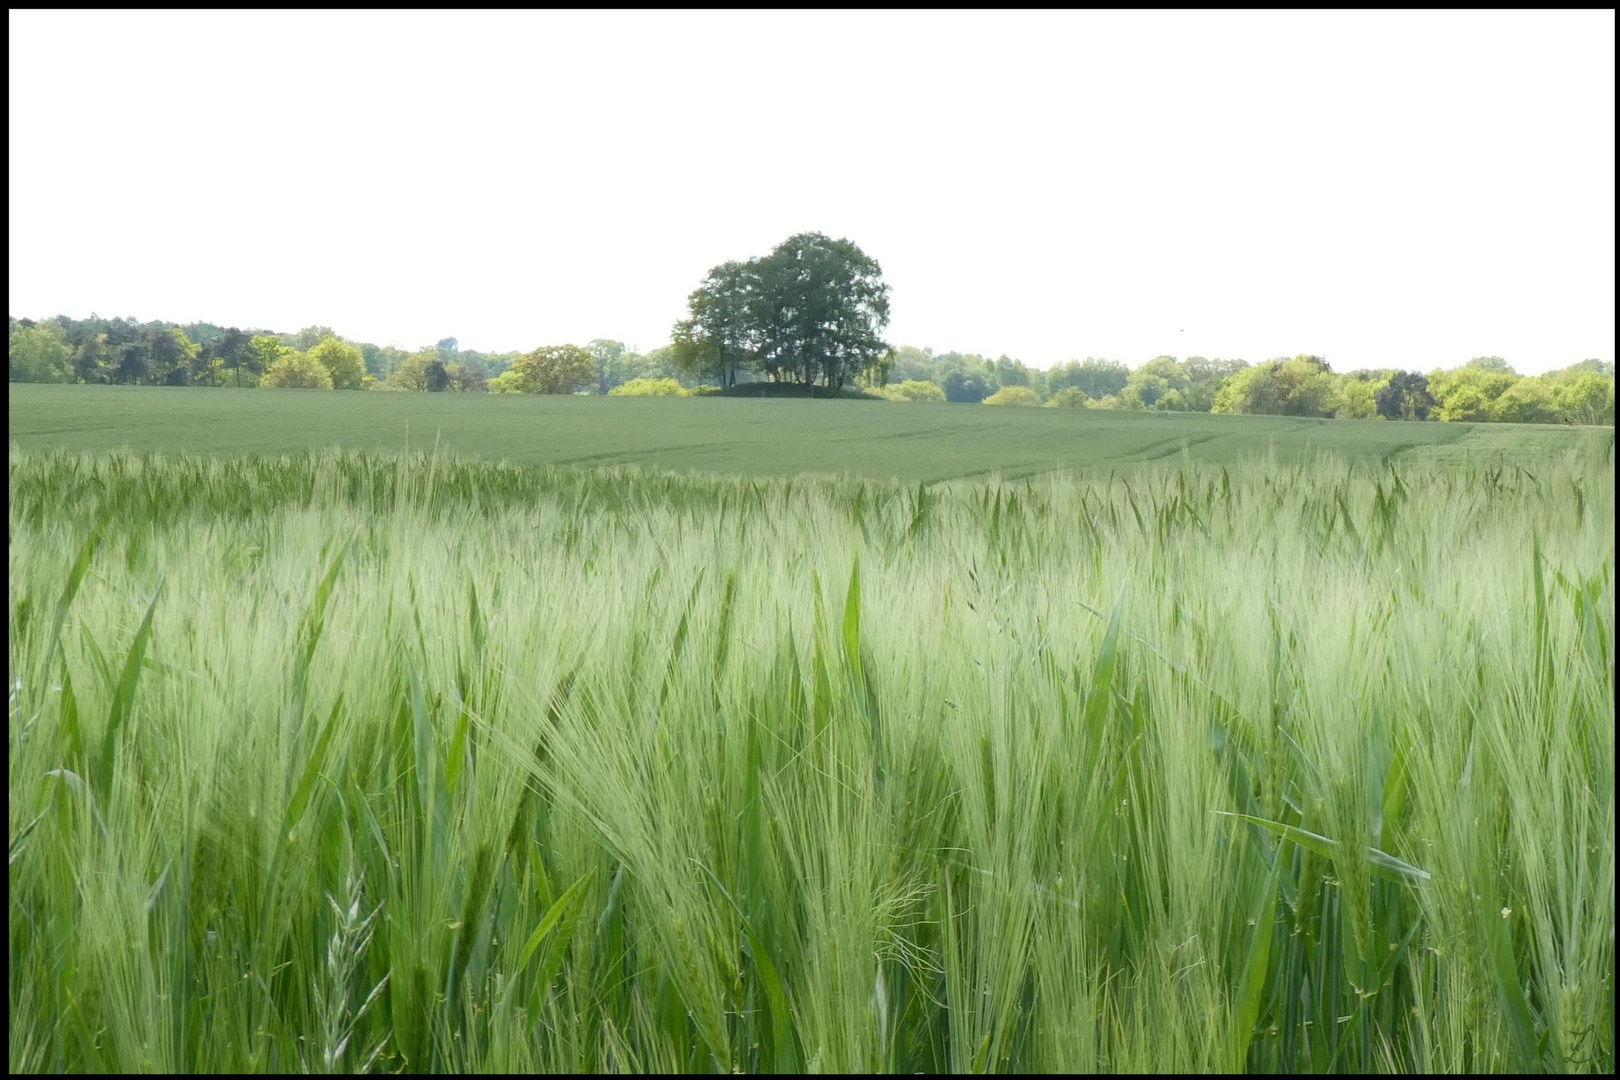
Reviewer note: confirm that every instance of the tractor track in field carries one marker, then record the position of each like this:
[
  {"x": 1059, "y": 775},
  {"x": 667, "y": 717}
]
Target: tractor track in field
[{"x": 1180, "y": 442}]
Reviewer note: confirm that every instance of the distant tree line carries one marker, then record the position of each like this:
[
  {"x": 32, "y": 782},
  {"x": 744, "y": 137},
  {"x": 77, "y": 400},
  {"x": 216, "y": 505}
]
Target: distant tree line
[
  {"x": 158, "y": 353},
  {"x": 1485, "y": 389}
]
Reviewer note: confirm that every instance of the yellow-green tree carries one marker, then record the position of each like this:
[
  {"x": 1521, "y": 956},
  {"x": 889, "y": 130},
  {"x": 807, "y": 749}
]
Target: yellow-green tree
[
  {"x": 1528, "y": 401},
  {"x": 1303, "y": 386},
  {"x": 1356, "y": 400},
  {"x": 297, "y": 371},
  {"x": 267, "y": 348},
  {"x": 40, "y": 354},
  {"x": 1587, "y": 399},
  {"x": 342, "y": 362},
  {"x": 1070, "y": 397},
  {"x": 1469, "y": 393},
  {"x": 915, "y": 390}
]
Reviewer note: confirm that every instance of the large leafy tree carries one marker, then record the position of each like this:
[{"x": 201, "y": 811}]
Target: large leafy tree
[
  {"x": 94, "y": 360},
  {"x": 267, "y": 349},
  {"x": 1404, "y": 397},
  {"x": 170, "y": 355},
  {"x": 1356, "y": 400},
  {"x": 609, "y": 358},
  {"x": 297, "y": 371},
  {"x": 811, "y": 312},
  {"x": 1588, "y": 398},
  {"x": 40, "y": 354},
  {"x": 1160, "y": 384},
  {"x": 1469, "y": 393},
  {"x": 826, "y": 306},
  {"x": 133, "y": 365},
  {"x": 1528, "y": 401},
  {"x": 965, "y": 377},
  {"x": 1302, "y": 386},
  {"x": 554, "y": 369},
  {"x": 723, "y": 333},
  {"x": 232, "y": 349},
  {"x": 965, "y": 385},
  {"x": 411, "y": 373}
]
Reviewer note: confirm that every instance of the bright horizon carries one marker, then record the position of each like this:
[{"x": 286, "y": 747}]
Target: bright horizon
[{"x": 1387, "y": 189}]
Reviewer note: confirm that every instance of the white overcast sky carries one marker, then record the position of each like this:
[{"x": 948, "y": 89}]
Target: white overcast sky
[{"x": 1387, "y": 188}]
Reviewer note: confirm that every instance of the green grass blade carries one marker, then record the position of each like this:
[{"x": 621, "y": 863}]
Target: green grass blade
[
  {"x": 81, "y": 563},
  {"x": 312, "y": 768},
  {"x": 124, "y": 696},
  {"x": 1385, "y": 865}
]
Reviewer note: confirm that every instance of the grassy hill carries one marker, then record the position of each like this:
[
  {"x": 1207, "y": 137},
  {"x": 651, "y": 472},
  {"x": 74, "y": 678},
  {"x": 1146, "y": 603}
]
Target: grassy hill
[{"x": 779, "y": 437}]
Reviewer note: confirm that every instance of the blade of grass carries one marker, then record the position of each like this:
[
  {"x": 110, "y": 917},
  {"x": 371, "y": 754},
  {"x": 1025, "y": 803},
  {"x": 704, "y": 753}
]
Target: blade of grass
[{"x": 124, "y": 697}]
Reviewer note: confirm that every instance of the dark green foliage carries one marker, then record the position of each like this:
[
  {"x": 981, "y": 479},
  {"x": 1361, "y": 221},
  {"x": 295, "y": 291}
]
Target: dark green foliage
[
  {"x": 437, "y": 379},
  {"x": 811, "y": 312},
  {"x": 965, "y": 386},
  {"x": 1405, "y": 397}
]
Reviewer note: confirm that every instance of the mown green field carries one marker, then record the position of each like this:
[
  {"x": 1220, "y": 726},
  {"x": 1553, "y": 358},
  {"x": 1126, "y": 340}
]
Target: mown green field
[
  {"x": 348, "y": 761},
  {"x": 763, "y": 437}
]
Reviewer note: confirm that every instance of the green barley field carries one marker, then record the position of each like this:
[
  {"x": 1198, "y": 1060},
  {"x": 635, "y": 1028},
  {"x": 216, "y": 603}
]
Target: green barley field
[
  {"x": 1287, "y": 748},
  {"x": 770, "y": 437}
]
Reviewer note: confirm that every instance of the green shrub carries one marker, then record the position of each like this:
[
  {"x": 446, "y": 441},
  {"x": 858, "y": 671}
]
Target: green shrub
[
  {"x": 1070, "y": 397},
  {"x": 913, "y": 390},
  {"x": 648, "y": 388},
  {"x": 507, "y": 382},
  {"x": 1013, "y": 395}
]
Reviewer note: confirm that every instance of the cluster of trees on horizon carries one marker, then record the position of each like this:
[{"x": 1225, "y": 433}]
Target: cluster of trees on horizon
[{"x": 1484, "y": 389}]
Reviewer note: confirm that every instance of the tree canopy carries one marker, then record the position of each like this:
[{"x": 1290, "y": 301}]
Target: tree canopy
[
  {"x": 341, "y": 361},
  {"x": 39, "y": 354},
  {"x": 297, "y": 371},
  {"x": 812, "y": 312},
  {"x": 553, "y": 369}
]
